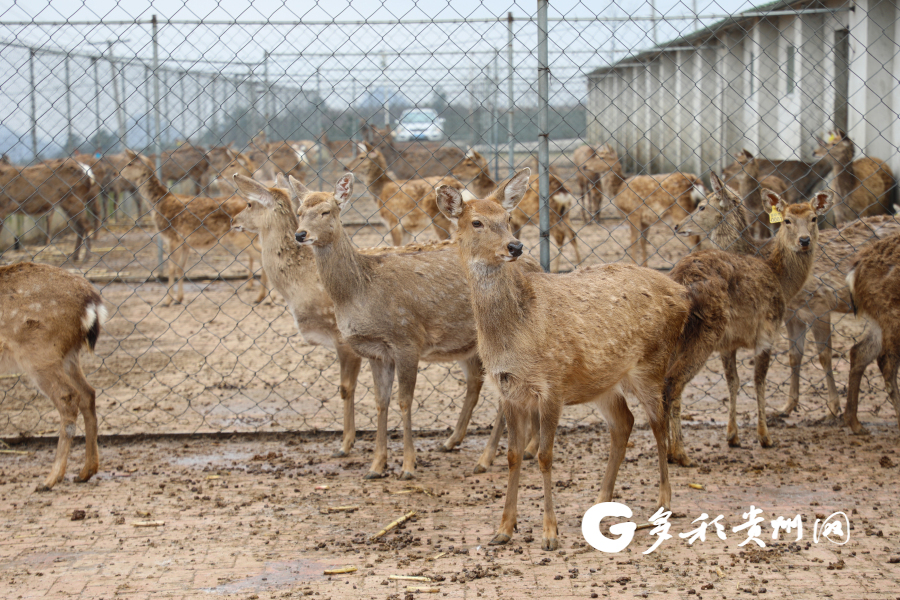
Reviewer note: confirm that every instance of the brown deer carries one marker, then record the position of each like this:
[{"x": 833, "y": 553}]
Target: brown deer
[
  {"x": 875, "y": 286},
  {"x": 272, "y": 214},
  {"x": 413, "y": 160},
  {"x": 738, "y": 301},
  {"x": 185, "y": 162},
  {"x": 862, "y": 187},
  {"x": 220, "y": 180},
  {"x": 648, "y": 199},
  {"x": 40, "y": 189},
  {"x": 548, "y": 341},
  {"x": 189, "y": 222},
  {"x": 593, "y": 164},
  {"x": 47, "y": 316},
  {"x": 393, "y": 309},
  {"x": 801, "y": 177},
  {"x": 281, "y": 156},
  {"x": 750, "y": 185},
  {"x": 407, "y": 207},
  {"x": 825, "y": 292}
]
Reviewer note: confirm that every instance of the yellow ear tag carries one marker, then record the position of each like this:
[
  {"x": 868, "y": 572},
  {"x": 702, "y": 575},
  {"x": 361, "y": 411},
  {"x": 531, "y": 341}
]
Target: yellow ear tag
[{"x": 775, "y": 216}]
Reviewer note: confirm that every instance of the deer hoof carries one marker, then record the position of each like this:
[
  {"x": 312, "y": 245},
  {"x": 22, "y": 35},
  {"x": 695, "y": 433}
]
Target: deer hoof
[
  {"x": 446, "y": 447},
  {"x": 406, "y": 476},
  {"x": 42, "y": 488},
  {"x": 83, "y": 478},
  {"x": 734, "y": 441},
  {"x": 500, "y": 539},
  {"x": 373, "y": 475},
  {"x": 682, "y": 460},
  {"x": 549, "y": 544},
  {"x": 339, "y": 454},
  {"x": 766, "y": 442},
  {"x": 528, "y": 455},
  {"x": 479, "y": 469}
]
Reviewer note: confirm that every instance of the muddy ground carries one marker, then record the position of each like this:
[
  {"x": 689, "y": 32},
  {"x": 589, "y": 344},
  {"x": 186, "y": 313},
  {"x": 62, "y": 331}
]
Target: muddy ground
[{"x": 246, "y": 518}]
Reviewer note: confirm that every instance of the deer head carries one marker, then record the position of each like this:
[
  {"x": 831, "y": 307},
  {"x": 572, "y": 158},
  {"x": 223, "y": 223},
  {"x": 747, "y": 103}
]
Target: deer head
[
  {"x": 320, "y": 213},
  {"x": 800, "y": 229},
  {"x": 484, "y": 234},
  {"x": 712, "y": 210}
]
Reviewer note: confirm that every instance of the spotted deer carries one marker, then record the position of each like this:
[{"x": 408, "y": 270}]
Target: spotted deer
[
  {"x": 738, "y": 301},
  {"x": 726, "y": 221},
  {"x": 874, "y": 282},
  {"x": 750, "y": 186},
  {"x": 189, "y": 223},
  {"x": 47, "y": 317},
  {"x": 548, "y": 341}
]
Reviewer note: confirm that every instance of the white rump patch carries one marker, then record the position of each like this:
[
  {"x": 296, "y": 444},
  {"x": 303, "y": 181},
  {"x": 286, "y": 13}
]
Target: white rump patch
[
  {"x": 567, "y": 200},
  {"x": 698, "y": 193},
  {"x": 850, "y": 277},
  {"x": 92, "y": 314},
  {"x": 87, "y": 171}
]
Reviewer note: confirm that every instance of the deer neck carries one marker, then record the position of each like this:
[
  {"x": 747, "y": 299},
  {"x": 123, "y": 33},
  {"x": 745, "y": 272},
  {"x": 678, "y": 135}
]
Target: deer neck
[
  {"x": 791, "y": 268},
  {"x": 730, "y": 234},
  {"x": 377, "y": 179},
  {"x": 291, "y": 267},
  {"x": 342, "y": 269},
  {"x": 748, "y": 186},
  {"x": 502, "y": 298},
  {"x": 845, "y": 179},
  {"x": 152, "y": 191}
]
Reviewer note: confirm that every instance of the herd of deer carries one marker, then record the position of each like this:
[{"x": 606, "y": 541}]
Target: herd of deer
[{"x": 544, "y": 341}]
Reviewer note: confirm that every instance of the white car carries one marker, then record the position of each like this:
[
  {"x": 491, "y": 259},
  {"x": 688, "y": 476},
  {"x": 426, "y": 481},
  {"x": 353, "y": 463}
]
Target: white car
[{"x": 419, "y": 124}]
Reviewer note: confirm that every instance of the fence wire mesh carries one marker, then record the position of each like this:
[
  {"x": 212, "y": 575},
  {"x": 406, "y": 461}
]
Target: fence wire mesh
[{"x": 635, "y": 92}]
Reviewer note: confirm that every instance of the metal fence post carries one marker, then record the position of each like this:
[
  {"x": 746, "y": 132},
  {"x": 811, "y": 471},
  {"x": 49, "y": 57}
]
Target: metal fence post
[
  {"x": 543, "y": 132},
  {"x": 495, "y": 112},
  {"x": 120, "y": 117},
  {"x": 96, "y": 64},
  {"x": 509, "y": 113},
  {"x": 215, "y": 108},
  {"x": 34, "y": 144},
  {"x": 70, "y": 139},
  {"x": 252, "y": 112},
  {"x": 157, "y": 147},
  {"x": 267, "y": 99}
]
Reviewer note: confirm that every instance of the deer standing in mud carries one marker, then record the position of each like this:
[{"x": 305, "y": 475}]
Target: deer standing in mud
[
  {"x": 47, "y": 317},
  {"x": 738, "y": 301},
  {"x": 547, "y": 341}
]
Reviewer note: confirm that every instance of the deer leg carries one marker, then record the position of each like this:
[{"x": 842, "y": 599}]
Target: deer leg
[
  {"x": 474, "y": 380},
  {"x": 350, "y": 363},
  {"x": 729, "y": 366},
  {"x": 888, "y": 362},
  {"x": 182, "y": 263},
  {"x": 515, "y": 419},
  {"x": 549, "y": 419},
  {"x": 861, "y": 356},
  {"x": 822, "y": 334},
  {"x": 656, "y": 415},
  {"x": 383, "y": 377},
  {"x": 490, "y": 449},
  {"x": 173, "y": 259},
  {"x": 54, "y": 383},
  {"x": 250, "y": 277},
  {"x": 685, "y": 366},
  {"x": 620, "y": 420},
  {"x": 407, "y": 371},
  {"x": 88, "y": 407},
  {"x": 796, "y": 333},
  {"x": 574, "y": 239},
  {"x": 263, "y": 285},
  {"x": 531, "y": 449},
  {"x": 49, "y": 224},
  {"x": 761, "y": 368}
]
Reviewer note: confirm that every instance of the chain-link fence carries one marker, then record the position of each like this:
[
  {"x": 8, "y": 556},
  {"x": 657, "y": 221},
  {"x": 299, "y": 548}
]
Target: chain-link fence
[{"x": 620, "y": 94}]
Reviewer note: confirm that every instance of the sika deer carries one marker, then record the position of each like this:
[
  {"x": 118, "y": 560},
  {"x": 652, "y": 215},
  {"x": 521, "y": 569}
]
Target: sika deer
[
  {"x": 862, "y": 187},
  {"x": 38, "y": 190},
  {"x": 874, "y": 282},
  {"x": 648, "y": 199},
  {"x": 185, "y": 162},
  {"x": 393, "y": 309},
  {"x": 407, "y": 207},
  {"x": 188, "y": 222},
  {"x": 47, "y": 316},
  {"x": 800, "y": 177},
  {"x": 739, "y": 301},
  {"x": 750, "y": 186},
  {"x": 292, "y": 268},
  {"x": 553, "y": 340},
  {"x": 825, "y": 292}
]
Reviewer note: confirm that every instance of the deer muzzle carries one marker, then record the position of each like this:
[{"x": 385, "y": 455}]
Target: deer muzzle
[
  {"x": 515, "y": 249},
  {"x": 301, "y": 237}
]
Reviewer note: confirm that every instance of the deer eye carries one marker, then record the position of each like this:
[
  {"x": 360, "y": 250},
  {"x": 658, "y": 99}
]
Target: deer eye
[
  {"x": 326, "y": 213},
  {"x": 814, "y": 219},
  {"x": 702, "y": 208},
  {"x": 787, "y": 221},
  {"x": 477, "y": 224}
]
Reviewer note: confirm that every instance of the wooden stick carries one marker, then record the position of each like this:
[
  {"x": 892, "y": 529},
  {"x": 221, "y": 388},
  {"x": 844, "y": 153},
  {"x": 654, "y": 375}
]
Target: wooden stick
[
  {"x": 341, "y": 571},
  {"x": 423, "y": 590},
  {"x": 149, "y": 523},
  {"x": 11, "y": 376},
  {"x": 396, "y": 523},
  {"x": 336, "y": 509},
  {"x": 437, "y": 556},
  {"x": 14, "y": 452},
  {"x": 409, "y": 578}
]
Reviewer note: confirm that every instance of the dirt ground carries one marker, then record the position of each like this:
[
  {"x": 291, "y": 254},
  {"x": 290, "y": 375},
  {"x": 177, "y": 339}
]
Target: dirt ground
[{"x": 248, "y": 517}]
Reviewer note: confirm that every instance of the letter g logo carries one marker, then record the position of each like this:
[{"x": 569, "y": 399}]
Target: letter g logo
[{"x": 590, "y": 527}]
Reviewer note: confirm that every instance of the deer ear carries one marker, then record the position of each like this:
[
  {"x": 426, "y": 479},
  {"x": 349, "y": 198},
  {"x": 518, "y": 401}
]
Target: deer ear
[
  {"x": 513, "y": 190},
  {"x": 450, "y": 202},
  {"x": 253, "y": 190},
  {"x": 716, "y": 183},
  {"x": 282, "y": 182},
  {"x": 343, "y": 189},
  {"x": 822, "y": 202},
  {"x": 131, "y": 154},
  {"x": 772, "y": 200},
  {"x": 299, "y": 190}
]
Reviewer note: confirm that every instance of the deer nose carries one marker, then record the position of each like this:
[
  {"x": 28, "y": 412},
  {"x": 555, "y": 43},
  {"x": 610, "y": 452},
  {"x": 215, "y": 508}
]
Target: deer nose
[
  {"x": 676, "y": 226},
  {"x": 804, "y": 241},
  {"x": 300, "y": 236},
  {"x": 515, "y": 248}
]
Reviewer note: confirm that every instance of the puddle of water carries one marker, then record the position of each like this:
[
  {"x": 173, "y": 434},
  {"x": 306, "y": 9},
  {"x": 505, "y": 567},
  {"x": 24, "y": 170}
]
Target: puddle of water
[{"x": 276, "y": 575}]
